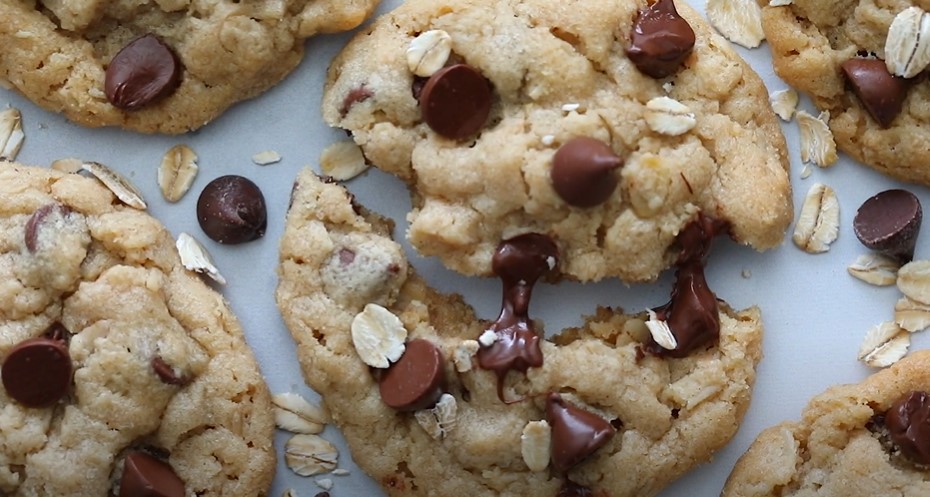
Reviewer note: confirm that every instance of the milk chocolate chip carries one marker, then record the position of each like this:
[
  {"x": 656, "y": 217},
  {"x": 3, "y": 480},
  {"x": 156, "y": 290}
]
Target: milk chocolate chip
[
  {"x": 37, "y": 371},
  {"x": 576, "y": 433},
  {"x": 417, "y": 379},
  {"x": 142, "y": 72},
  {"x": 661, "y": 40},
  {"x": 456, "y": 101},
  {"x": 33, "y": 225},
  {"x": 231, "y": 209},
  {"x": 908, "y": 423},
  {"x": 519, "y": 262},
  {"x": 583, "y": 171},
  {"x": 889, "y": 222},
  {"x": 147, "y": 476},
  {"x": 881, "y": 93}
]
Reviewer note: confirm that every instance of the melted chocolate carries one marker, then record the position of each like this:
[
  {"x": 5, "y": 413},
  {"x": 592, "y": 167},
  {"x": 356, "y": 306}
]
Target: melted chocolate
[
  {"x": 519, "y": 262},
  {"x": 661, "y": 40},
  {"x": 576, "y": 433},
  {"x": 908, "y": 423}
]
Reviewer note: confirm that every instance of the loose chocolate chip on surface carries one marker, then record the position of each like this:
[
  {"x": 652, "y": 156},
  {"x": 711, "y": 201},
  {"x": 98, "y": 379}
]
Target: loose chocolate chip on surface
[
  {"x": 37, "y": 372},
  {"x": 889, "y": 222},
  {"x": 231, "y": 209},
  {"x": 881, "y": 93},
  {"x": 455, "y": 101},
  {"x": 661, "y": 40},
  {"x": 142, "y": 72},
  {"x": 147, "y": 476},
  {"x": 576, "y": 433},
  {"x": 416, "y": 380},
  {"x": 583, "y": 171},
  {"x": 908, "y": 423}
]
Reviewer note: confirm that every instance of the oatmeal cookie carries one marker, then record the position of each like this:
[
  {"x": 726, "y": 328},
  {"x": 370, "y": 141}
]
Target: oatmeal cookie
[
  {"x": 605, "y": 125},
  {"x": 121, "y": 370},
  {"x": 166, "y": 66},
  {"x": 852, "y": 440},
  {"x": 835, "y": 52},
  {"x": 475, "y": 407}
]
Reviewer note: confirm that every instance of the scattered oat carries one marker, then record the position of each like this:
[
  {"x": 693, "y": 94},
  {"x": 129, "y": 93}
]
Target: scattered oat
[
  {"x": 297, "y": 415},
  {"x": 911, "y": 315},
  {"x": 340, "y": 472},
  {"x": 289, "y": 492},
  {"x": 739, "y": 21},
  {"x": 780, "y": 3},
  {"x": 266, "y": 157},
  {"x": 914, "y": 281},
  {"x": 660, "y": 331},
  {"x": 429, "y": 52},
  {"x": 439, "y": 421},
  {"x": 378, "y": 336},
  {"x": 668, "y": 116},
  {"x": 534, "y": 445},
  {"x": 117, "y": 183},
  {"x": 884, "y": 345},
  {"x": 463, "y": 353},
  {"x": 177, "y": 172},
  {"x": 487, "y": 338},
  {"x": 784, "y": 103},
  {"x": 875, "y": 269},
  {"x": 819, "y": 220},
  {"x": 324, "y": 483},
  {"x": 343, "y": 160},
  {"x": 309, "y": 455},
  {"x": 11, "y": 133},
  {"x": 547, "y": 140},
  {"x": 907, "y": 47},
  {"x": 746, "y": 273},
  {"x": 806, "y": 171},
  {"x": 194, "y": 257},
  {"x": 68, "y": 166},
  {"x": 817, "y": 144}
]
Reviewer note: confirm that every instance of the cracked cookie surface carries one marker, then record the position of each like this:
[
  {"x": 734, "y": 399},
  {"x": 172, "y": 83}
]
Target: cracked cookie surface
[
  {"x": 665, "y": 414},
  {"x": 156, "y": 368},
  {"x": 57, "y": 53},
  {"x": 559, "y": 71}
]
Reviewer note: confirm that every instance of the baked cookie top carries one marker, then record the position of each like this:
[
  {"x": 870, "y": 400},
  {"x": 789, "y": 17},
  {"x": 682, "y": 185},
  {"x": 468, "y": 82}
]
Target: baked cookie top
[
  {"x": 475, "y": 407},
  {"x": 190, "y": 61},
  {"x": 120, "y": 369},
  {"x": 835, "y": 52},
  {"x": 508, "y": 117},
  {"x": 852, "y": 440}
]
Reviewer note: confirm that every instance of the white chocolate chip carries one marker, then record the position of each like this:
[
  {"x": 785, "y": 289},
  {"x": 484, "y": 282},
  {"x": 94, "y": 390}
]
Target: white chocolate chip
[
  {"x": 817, "y": 144},
  {"x": 439, "y": 421},
  {"x": 194, "y": 257},
  {"x": 660, "y": 332},
  {"x": 534, "y": 445},
  {"x": 884, "y": 345},
  {"x": 342, "y": 161},
  {"x": 11, "y": 133},
  {"x": 177, "y": 172},
  {"x": 875, "y": 269},
  {"x": 911, "y": 315},
  {"x": 309, "y": 455},
  {"x": 739, "y": 21},
  {"x": 378, "y": 336},
  {"x": 668, "y": 116},
  {"x": 266, "y": 157},
  {"x": 429, "y": 52},
  {"x": 784, "y": 103},
  {"x": 819, "y": 220},
  {"x": 907, "y": 47},
  {"x": 117, "y": 183},
  {"x": 297, "y": 415}
]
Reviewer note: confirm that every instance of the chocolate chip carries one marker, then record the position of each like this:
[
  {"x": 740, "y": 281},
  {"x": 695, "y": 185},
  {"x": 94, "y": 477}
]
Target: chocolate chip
[
  {"x": 908, "y": 423},
  {"x": 354, "y": 96},
  {"x": 166, "y": 373},
  {"x": 142, "y": 72},
  {"x": 32, "y": 230},
  {"x": 576, "y": 433},
  {"x": 456, "y": 101},
  {"x": 146, "y": 476},
  {"x": 661, "y": 40},
  {"x": 889, "y": 222},
  {"x": 881, "y": 93},
  {"x": 37, "y": 372},
  {"x": 231, "y": 209},
  {"x": 416, "y": 380},
  {"x": 572, "y": 489},
  {"x": 519, "y": 262},
  {"x": 583, "y": 171}
]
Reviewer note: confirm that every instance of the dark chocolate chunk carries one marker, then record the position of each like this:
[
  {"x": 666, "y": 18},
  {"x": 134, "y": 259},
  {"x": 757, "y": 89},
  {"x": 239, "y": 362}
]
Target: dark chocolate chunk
[
  {"x": 908, "y": 423},
  {"x": 661, "y": 40},
  {"x": 31, "y": 235},
  {"x": 231, "y": 209},
  {"x": 455, "y": 101},
  {"x": 142, "y": 72},
  {"x": 166, "y": 373},
  {"x": 572, "y": 489},
  {"x": 881, "y": 93},
  {"x": 519, "y": 262},
  {"x": 576, "y": 433},
  {"x": 37, "y": 372},
  {"x": 147, "y": 476},
  {"x": 889, "y": 222},
  {"x": 583, "y": 171},
  {"x": 417, "y": 379}
]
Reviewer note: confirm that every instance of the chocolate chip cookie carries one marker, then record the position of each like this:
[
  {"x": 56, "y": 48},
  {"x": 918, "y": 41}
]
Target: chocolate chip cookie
[
  {"x": 434, "y": 400},
  {"x": 158, "y": 66},
  {"x": 852, "y": 440},
  {"x": 122, "y": 373},
  {"x": 866, "y": 70},
  {"x": 605, "y": 125}
]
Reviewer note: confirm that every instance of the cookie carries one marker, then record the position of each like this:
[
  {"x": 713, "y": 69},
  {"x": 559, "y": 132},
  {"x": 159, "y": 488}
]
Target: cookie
[
  {"x": 852, "y": 440},
  {"x": 158, "y": 66},
  {"x": 835, "y": 52},
  {"x": 121, "y": 370},
  {"x": 605, "y": 125},
  {"x": 434, "y": 400}
]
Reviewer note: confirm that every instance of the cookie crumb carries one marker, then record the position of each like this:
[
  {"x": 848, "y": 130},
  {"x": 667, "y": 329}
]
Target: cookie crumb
[{"x": 324, "y": 483}]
